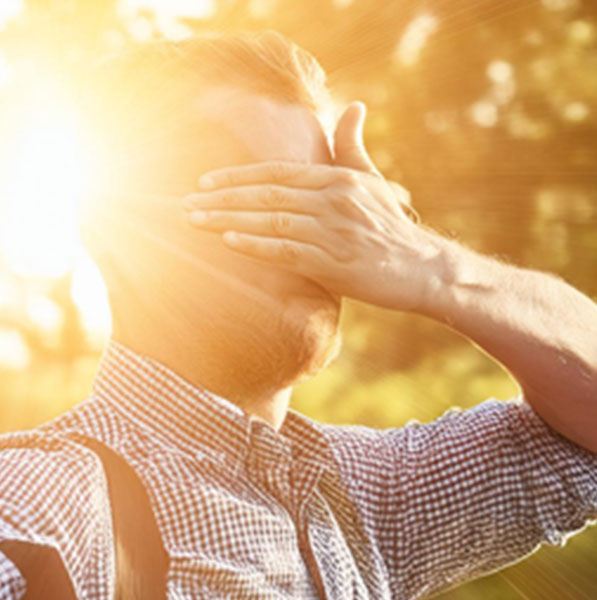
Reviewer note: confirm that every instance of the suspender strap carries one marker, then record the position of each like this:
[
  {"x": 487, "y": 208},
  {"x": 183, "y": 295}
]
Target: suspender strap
[
  {"x": 42, "y": 569},
  {"x": 141, "y": 560}
]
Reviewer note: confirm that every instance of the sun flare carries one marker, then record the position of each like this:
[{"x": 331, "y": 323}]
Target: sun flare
[{"x": 50, "y": 171}]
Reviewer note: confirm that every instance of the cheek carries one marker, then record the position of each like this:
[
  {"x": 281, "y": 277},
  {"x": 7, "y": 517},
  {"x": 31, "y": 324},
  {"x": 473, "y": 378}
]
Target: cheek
[{"x": 209, "y": 257}]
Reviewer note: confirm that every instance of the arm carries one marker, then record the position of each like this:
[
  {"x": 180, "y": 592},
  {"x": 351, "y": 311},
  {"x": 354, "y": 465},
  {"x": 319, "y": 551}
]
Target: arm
[
  {"x": 474, "y": 490},
  {"x": 54, "y": 514},
  {"x": 540, "y": 328},
  {"x": 465, "y": 495},
  {"x": 344, "y": 227}
]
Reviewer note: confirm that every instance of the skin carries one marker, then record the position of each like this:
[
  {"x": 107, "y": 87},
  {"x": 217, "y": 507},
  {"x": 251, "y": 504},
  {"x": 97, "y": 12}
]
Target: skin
[
  {"x": 242, "y": 328},
  {"x": 342, "y": 226}
]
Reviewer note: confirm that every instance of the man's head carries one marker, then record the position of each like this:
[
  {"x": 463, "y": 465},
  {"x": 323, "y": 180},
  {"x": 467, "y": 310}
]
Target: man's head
[{"x": 171, "y": 111}]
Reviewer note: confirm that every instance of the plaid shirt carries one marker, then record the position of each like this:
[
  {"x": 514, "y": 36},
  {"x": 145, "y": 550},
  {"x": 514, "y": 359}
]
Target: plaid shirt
[{"x": 311, "y": 510}]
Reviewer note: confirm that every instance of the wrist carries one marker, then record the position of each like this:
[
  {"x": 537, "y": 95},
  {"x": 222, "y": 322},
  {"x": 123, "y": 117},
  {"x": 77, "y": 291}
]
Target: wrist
[{"x": 457, "y": 275}]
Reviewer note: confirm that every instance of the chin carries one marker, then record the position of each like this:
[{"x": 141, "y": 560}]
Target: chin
[
  {"x": 277, "y": 333},
  {"x": 316, "y": 337},
  {"x": 323, "y": 357}
]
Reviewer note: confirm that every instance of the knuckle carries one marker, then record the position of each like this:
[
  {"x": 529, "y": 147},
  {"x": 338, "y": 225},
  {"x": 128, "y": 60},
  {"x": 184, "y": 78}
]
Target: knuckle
[
  {"x": 340, "y": 197},
  {"x": 289, "y": 251},
  {"x": 346, "y": 205},
  {"x": 278, "y": 171},
  {"x": 345, "y": 255},
  {"x": 344, "y": 250},
  {"x": 350, "y": 179},
  {"x": 271, "y": 197},
  {"x": 335, "y": 196},
  {"x": 280, "y": 222},
  {"x": 348, "y": 235}
]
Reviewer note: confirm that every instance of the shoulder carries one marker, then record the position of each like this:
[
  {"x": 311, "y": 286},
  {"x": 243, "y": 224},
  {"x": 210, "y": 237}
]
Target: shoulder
[
  {"x": 53, "y": 493},
  {"x": 454, "y": 436},
  {"x": 46, "y": 479},
  {"x": 29, "y": 450}
]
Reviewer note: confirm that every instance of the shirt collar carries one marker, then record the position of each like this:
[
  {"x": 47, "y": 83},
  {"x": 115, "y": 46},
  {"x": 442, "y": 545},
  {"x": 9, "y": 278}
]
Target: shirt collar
[{"x": 155, "y": 398}]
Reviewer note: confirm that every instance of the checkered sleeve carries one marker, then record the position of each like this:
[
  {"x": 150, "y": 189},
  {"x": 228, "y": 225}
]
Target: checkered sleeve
[
  {"x": 12, "y": 583},
  {"x": 466, "y": 494},
  {"x": 53, "y": 493}
]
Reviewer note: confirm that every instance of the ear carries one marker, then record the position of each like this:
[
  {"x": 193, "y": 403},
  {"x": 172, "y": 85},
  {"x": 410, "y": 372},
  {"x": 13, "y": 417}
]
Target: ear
[{"x": 349, "y": 149}]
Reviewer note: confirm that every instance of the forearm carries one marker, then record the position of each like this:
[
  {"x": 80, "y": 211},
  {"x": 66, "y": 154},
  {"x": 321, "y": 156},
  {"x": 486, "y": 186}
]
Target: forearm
[
  {"x": 356, "y": 242},
  {"x": 537, "y": 326}
]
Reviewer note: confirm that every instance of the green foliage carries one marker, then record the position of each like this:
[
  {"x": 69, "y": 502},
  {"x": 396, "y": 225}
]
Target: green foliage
[{"x": 461, "y": 377}]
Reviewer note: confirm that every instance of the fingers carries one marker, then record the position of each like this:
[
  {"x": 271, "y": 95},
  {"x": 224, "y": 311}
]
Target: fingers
[
  {"x": 294, "y": 174},
  {"x": 349, "y": 148},
  {"x": 275, "y": 224},
  {"x": 258, "y": 197},
  {"x": 281, "y": 225},
  {"x": 302, "y": 257}
]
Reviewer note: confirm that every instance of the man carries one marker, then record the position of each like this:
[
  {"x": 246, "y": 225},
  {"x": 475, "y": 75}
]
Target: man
[{"x": 214, "y": 324}]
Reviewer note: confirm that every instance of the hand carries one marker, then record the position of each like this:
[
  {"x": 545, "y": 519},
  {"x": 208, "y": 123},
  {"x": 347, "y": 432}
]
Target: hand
[{"x": 343, "y": 225}]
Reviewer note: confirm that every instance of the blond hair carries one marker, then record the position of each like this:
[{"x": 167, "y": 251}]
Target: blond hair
[{"x": 142, "y": 98}]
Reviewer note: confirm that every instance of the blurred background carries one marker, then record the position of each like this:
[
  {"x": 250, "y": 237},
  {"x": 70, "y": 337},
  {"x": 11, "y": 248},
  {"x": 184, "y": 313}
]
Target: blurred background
[{"x": 485, "y": 109}]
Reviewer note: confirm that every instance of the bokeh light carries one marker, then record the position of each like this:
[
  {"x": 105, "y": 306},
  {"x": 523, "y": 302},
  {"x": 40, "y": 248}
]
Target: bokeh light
[
  {"x": 9, "y": 9},
  {"x": 48, "y": 176}
]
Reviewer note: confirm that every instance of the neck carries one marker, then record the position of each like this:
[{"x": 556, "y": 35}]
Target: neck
[{"x": 250, "y": 384}]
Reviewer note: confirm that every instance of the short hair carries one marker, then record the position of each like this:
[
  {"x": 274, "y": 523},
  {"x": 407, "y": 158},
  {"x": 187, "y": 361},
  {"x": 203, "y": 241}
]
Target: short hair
[{"x": 141, "y": 99}]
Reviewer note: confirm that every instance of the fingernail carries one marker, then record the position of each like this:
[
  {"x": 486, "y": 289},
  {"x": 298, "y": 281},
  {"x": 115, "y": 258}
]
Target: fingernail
[{"x": 206, "y": 182}]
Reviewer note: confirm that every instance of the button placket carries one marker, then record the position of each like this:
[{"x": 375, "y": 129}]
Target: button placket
[{"x": 269, "y": 461}]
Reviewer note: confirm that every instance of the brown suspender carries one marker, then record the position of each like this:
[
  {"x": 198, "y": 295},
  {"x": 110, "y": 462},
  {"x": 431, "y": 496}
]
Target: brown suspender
[
  {"x": 141, "y": 560},
  {"x": 42, "y": 568}
]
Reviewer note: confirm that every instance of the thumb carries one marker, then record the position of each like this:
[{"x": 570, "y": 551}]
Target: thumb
[{"x": 349, "y": 149}]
